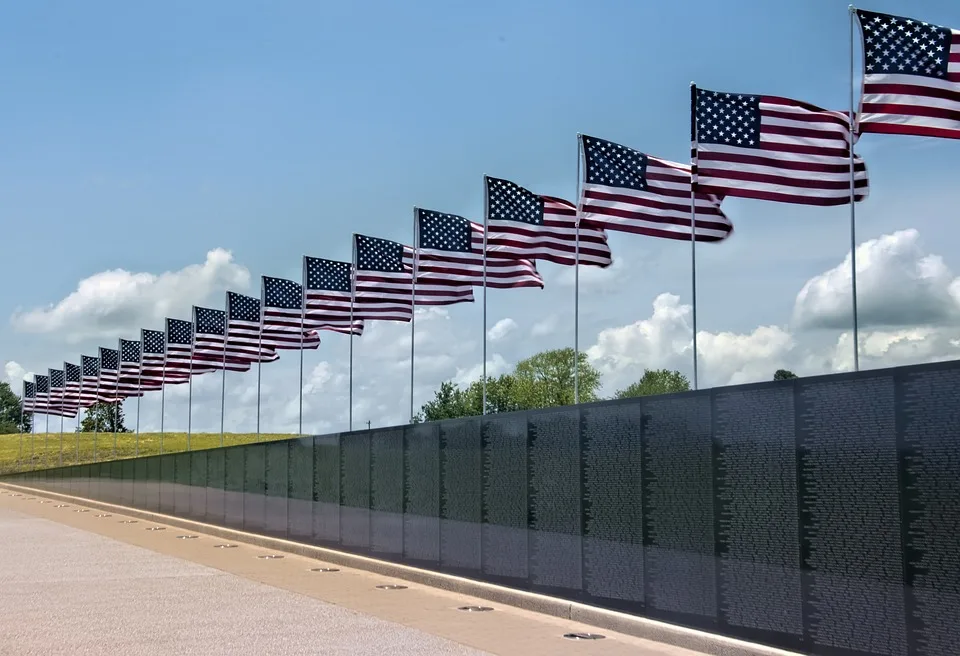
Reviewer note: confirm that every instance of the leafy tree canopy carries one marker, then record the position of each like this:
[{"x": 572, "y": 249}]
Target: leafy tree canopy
[
  {"x": 104, "y": 418},
  {"x": 10, "y": 421},
  {"x": 783, "y": 374},
  {"x": 656, "y": 381}
]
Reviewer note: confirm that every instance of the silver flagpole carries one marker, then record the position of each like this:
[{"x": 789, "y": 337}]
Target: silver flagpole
[
  {"x": 576, "y": 290},
  {"x": 116, "y": 411},
  {"x": 79, "y": 396},
  {"x": 223, "y": 373},
  {"x": 853, "y": 209},
  {"x": 693, "y": 224},
  {"x": 193, "y": 341},
  {"x": 46, "y": 430},
  {"x": 33, "y": 430},
  {"x": 486, "y": 229},
  {"x": 23, "y": 402},
  {"x": 259, "y": 364},
  {"x": 303, "y": 317},
  {"x": 63, "y": 391},
  {"x": 96, "y": 413},
  {"x": 163, "y": 386},
  {"x": 139, "y": 394},
  {"x": 413, "y": 301},
  {"x": 353, "y": 300}
]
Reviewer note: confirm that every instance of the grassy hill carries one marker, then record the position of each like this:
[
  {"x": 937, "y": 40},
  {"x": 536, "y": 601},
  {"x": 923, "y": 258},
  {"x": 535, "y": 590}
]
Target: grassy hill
[{"x": 41, "y": 450}]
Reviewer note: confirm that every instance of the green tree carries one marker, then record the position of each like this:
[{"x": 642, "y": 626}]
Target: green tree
[
  {"x": 451, "y": 400},
  {"x": 783, "y": 374},
  {"x": 448, "y": 402},
  {"x": 105, "y": 418},
  {"x": 545, "y": 380},
  {"x": 656, "y": 381},
  {"x": 10, "y": 421}
]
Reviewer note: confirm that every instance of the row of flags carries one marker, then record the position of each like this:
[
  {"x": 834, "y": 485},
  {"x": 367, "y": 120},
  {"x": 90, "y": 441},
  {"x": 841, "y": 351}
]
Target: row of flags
[{"x": 762, "y": 147}]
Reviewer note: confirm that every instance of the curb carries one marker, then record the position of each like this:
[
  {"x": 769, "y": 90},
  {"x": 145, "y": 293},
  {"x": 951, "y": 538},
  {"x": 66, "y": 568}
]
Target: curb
[{"x": 639, "y": 627}]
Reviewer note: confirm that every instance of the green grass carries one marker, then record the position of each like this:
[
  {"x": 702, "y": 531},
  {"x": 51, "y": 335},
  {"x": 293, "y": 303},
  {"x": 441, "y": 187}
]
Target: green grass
[{"x": 42, "y": 450}]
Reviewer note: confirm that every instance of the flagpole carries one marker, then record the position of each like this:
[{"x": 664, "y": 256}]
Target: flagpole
[
  {"x": 46, "y": 430},
  {"x": 353, "y": 299},
  {"x": 853, "y": 210},
  {"x": 79, "y": 395},
  {"x": 223, "y": 373},
  {"x": 693, "y": 224},
  {"x": 576, "y": 290},
  {"x": 62, "y": 394},
  {"x": 303, "y": 318},
  {"x": 259, "y": 364},
  {"x": 116, "y": 410},
  {"x": 33, "y": 428},
  {"x": 486, "y": 229},
  {"x": 139, "y": 394},
  {"x": 96, "y": 413},
  {"x": 413, "y": 302},
  {"x": 193, "y": 341},
  {"x": 163, "y": 387},
  {"x": 23, "y": 402}
]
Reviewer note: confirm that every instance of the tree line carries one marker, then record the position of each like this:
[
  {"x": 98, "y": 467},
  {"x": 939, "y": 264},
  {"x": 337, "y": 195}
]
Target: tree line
[{"x": 546, "y": 380}]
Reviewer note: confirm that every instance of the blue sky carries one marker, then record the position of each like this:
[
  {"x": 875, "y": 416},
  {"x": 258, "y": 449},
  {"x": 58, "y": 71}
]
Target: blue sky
[{"x": 141, "y": 137}]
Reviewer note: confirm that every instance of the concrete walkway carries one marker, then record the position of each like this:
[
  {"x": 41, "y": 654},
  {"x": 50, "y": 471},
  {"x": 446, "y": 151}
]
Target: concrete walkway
[{"x": 84, "y": 583}]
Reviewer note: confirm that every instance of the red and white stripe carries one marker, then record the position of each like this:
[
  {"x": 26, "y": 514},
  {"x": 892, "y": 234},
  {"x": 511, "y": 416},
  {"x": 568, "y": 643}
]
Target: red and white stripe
[
  {"x": 243, "y": 342},
  {"x": 283, "y": 329},
  {"x": 553, "y": 241},
  {"x": 330, "y": 310},
  {"x": 208, "y": 351}
]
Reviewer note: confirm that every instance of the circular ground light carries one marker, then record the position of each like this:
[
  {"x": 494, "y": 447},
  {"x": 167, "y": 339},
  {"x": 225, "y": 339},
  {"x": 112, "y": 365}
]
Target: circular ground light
[
  {"x": 16, "y": 495},
  {"x": 187, "y": 537},
  {"x": 224, "y": 546},
  {"x": 583, "y": 636},
  {"x": 324, "y": 569},
  {"x": 61, "y": 505},
  {"x": 44, "y": 502},
  {"x": 103, "y": 515},
  {"x": 475, "y": 609},
  {"x": 128, "y": 521},
  {"x": 156, "y": 528},
  {"x": 391, "y": 587},
  {"x": 270, "y": 557},
  {"x": 81, "y": 510}
]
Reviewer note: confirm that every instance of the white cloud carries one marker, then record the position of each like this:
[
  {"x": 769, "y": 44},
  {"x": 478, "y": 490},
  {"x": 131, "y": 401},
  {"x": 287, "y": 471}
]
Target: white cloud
[
  {"x": 14, "y": 374},
  {"x": 114, "y": 303},
  {"x": 501, "y": 329},
  {"x": 898, "y": 284},
  {"x": 545, "y": 326}
]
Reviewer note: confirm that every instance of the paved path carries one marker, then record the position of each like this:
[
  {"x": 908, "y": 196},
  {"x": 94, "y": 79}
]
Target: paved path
[{"x": 83, "y": 583}]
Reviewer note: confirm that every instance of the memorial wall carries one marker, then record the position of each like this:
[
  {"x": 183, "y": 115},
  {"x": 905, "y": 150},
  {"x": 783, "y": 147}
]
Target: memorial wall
[{"x": 820, "y": 515}]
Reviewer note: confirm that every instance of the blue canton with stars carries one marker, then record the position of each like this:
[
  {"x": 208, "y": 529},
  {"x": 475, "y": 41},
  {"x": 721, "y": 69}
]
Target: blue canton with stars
[
  {"x": 109, "y": 359},
  {"x": 56, "y": 378},
  {"x": 282, "y": 293},
  {"x": 374, "y": 254},
  {"x": 71, "y": 372},
  {"x": 613, "y": 165},
  {"x": 730, "y": 119},
  {"x": 29, "y": 390},
  {"x": 903, "y": 46},
  {"x": 243, "y": 308},
  {"x": 444, "y": 232},
  {"x": 327, "y": 275},
  {"x": 129, "y": 351},
  {"x": 210, "y": 322},
  {"x": 43, "y": 384},
  {"x": 152, "y": 341},
  {"x": 179, "y": 332},
  {"x": 507, "y": 201},
  {"x": 90, "y": 364}
]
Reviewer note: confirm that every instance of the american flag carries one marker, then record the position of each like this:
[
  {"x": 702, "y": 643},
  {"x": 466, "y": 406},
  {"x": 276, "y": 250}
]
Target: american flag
[
  {"x": 283, "y": 316},
  {"x": 773, "y": 148},
  {"x": 179, "y": 361},
  {"x": 243, "y": 330},
  {"x": 42, "y": 403},
  {"x": 29, "y": 400},
  {"x": 524, "y": 224},
  {"x": 210, "y": 331},
  {"x": 129, "y": 378},
  {"x": 90, "y": 376},
  {"x": 450, "y": 250},
  {"x": 626, "y": 190},
  {"x": 328, "y": 296},
  {"x": 384, "y": 282},
  {"x": 71, "y": 389},
  {"x": 911, "y": 77},
  {"x": 153, "y": 356},
  {"x": 57, "y": 406},
  {"x": 109, "y": 372}
]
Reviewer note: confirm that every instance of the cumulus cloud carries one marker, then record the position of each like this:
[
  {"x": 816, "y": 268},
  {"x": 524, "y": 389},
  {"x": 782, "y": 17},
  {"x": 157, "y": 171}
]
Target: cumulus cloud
[
  {"x": 14, "y": 373},
  {"x": 113, "y": 303},
  {"x": 898, "y": 284},
  {"x": 501, "y": 329}
]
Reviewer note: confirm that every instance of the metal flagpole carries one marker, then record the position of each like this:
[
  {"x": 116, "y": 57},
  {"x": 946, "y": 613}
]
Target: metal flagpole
[
  {"x": 79, "y": 396},
  {"x": 163, "y": 387},
  {"x": 139, "y": 394},
  {"x": 693, "y": 224},
  {"x": 576, "y": 289},
  {"x": 46, "y": 430},
  {"x": 190, "y": 393},
  {"x": 223, "y": 373},
  {"x": 486, "y": 229},
  {"x": 853, "y": 209},
  {"x": 353, "y": 299},
  {"x": 62, "y": 394},
  {"x": 116, "y": 412},
  {"x": 23, "y": 402},
  {"x": 96, "y": 413},
  {"x": 259, "y": 358},
  {"x": 413, "y": 301},
  {"x": 33, "y": 431},
  {"x": 303, "y": 316}
]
